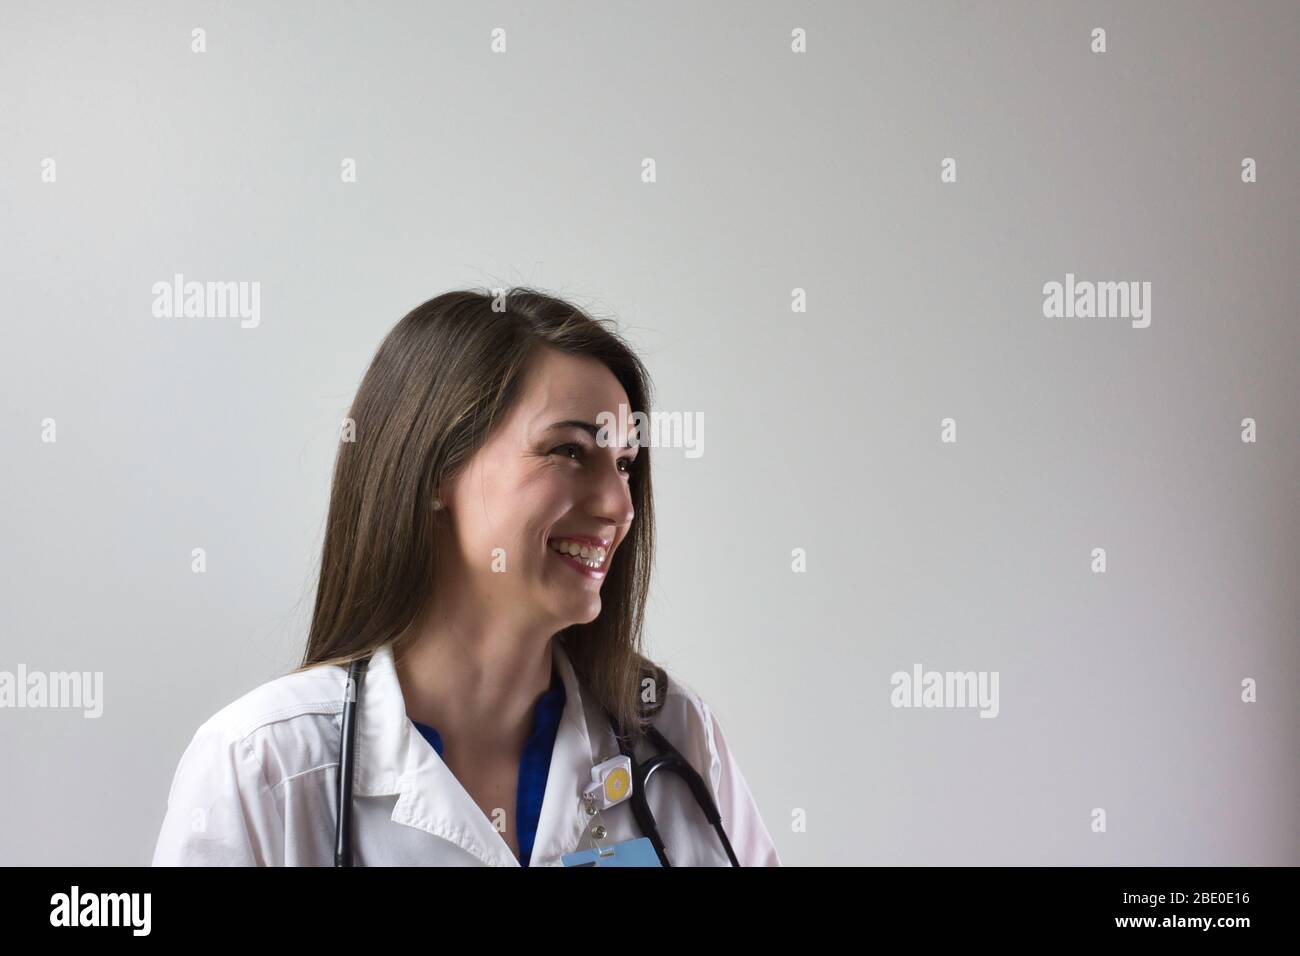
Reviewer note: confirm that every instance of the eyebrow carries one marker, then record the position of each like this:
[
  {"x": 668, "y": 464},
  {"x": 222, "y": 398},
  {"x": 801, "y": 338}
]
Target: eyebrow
[{"x": 587, "y": 427}]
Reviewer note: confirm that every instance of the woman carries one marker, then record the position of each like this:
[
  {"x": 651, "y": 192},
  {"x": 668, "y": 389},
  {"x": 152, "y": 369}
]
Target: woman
[{"x": 489, "y": 552}]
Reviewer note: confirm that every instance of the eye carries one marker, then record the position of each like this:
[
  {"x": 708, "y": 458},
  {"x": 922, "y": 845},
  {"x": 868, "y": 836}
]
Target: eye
[{"x": 575, "y": 452}]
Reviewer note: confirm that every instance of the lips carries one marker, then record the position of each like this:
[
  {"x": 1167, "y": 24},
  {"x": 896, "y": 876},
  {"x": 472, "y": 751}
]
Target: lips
[
  {"x": 585, "y": 553},
  {"x": 589, "y": 540}
]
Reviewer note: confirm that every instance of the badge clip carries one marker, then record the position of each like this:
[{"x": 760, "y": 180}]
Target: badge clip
[{"x": 611, "y": 782}]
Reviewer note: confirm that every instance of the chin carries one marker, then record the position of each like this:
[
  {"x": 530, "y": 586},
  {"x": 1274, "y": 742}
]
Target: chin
[{"x": 581, "y": 615}]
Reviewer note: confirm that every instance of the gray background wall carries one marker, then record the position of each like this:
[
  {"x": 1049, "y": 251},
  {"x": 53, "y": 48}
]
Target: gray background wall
[{"x": 776, "y": 171}]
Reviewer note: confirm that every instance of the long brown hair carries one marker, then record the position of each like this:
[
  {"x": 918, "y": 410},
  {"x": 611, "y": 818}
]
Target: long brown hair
[{"x": 437, "y": 384}]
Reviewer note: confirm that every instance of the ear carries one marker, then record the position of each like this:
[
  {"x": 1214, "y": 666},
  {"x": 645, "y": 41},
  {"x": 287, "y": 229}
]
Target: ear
[{"x": 442, "y": 492}]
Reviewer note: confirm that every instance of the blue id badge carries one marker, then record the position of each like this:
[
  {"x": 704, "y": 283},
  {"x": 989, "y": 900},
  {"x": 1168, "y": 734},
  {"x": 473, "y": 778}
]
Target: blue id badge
[{"x": 638, "y": 852}]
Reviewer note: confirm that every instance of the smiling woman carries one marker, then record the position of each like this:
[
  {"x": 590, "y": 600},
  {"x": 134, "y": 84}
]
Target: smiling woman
[
  {"x": 483, "y": 403},
  {"x": 479, "y": 621}
]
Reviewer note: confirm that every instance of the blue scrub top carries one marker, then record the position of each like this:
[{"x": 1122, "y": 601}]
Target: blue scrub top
[{"x": 535, "y": 765}]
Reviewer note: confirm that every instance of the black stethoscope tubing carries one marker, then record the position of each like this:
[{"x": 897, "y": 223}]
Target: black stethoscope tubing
[{"x": 669, "y": 760}]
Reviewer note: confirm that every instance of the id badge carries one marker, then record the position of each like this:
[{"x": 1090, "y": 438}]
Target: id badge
[{"x": 638, "y": 852}]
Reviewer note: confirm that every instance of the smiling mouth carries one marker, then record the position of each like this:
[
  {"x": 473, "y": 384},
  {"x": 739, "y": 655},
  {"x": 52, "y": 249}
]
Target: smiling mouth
[{"x": 581, "y": 555}]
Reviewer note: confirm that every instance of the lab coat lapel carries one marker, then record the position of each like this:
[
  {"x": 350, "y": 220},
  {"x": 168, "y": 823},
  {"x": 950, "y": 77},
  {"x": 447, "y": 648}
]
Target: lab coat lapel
[
  {"x": 560, "y": 826},
  {"x": 392, "y": 757}
]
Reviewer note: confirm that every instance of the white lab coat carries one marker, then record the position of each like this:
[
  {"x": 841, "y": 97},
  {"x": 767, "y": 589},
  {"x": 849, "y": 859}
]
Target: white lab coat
[{"x": 257, "y": 784}]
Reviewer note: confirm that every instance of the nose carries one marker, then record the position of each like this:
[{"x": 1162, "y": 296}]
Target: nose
[{"x": 610, "y": 497}]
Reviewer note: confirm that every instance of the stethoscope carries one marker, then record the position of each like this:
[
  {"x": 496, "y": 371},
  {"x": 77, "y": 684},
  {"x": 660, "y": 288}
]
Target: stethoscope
[{"x": 668, "y": 758}]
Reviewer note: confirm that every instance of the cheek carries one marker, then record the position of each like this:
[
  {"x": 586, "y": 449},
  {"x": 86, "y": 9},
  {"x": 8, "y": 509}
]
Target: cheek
[
  {"x": 530, "y": 510},
  {"x": 546, "y": 497}
]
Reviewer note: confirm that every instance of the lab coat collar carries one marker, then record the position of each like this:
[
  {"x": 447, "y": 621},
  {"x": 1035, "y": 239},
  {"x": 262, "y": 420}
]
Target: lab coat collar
[{"x": 393, "y": 758}]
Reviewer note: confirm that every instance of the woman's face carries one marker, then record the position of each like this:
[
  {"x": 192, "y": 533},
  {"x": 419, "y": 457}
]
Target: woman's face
[{"x": 539, "y": 489}]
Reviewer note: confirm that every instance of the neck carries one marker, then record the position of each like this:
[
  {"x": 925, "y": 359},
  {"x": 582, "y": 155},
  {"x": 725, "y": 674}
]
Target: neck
[{"x": 475, "y": 677}]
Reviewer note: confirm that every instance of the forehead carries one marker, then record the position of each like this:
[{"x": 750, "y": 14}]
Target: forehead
[{"x": 560, "y": 386}]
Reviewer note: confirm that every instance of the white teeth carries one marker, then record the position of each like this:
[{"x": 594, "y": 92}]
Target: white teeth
[{"x": 591, "y": 556}]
